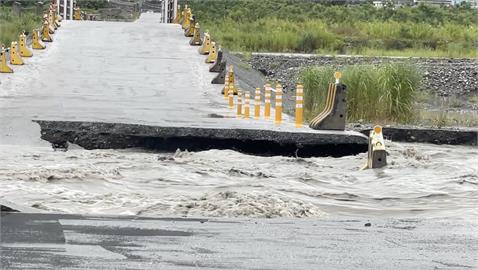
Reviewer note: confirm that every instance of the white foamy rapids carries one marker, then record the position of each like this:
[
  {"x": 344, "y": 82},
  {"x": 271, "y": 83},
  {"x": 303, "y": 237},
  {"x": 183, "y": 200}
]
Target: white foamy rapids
[{"x": 421, "y": 180}]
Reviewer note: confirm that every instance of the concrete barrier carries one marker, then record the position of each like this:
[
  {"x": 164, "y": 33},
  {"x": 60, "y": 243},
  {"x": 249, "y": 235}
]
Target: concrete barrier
[
  {"x": 37, "y": 44},
  {"x": 334, "y": 115},
  {"x": 189, "y": 31},
  {"x": 267, "y": 142},
  {"x": 46, "y": 36},
  {"x": 377, "y": 156},
  {"x": 219, "y": 65},
  {"x": 4, "y": 68},
  {"x": 196, "y": 39},
  {"x": 15, "y": 58},
  {"x": 212, "y": 57},
  {"x": 206, "y": 44},
  {"x": 24, "y": 51}
]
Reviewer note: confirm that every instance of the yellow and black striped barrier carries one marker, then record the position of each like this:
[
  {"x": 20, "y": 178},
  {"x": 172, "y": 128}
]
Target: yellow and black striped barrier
[
  {"x": 37, "y": 44},
  {"x": 19, "y": 49},
  {"x": 15, "y": 58},
  {"x": 377, "y": 155},
  {"x": 335, "y": 112},
  {"x": 22, "y": 41},
  {"x": 206, "y": 44},
  {"x": 4, "y": 68},
  {"x": 196, "y": 39}
]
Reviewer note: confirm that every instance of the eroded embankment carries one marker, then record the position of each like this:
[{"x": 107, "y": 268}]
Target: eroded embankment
[{"x": 94, "y": 135}]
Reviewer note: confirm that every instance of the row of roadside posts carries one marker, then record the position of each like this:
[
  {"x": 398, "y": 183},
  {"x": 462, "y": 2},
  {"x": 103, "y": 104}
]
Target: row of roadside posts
[
  {"x": 236, "y": 98},
  {"x": 39, "y": 37},
  {"x": 332, "y": 117}
]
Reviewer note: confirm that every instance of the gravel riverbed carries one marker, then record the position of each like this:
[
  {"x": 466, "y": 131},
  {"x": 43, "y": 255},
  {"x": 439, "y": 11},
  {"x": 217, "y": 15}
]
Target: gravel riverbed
[{"x": 442, "y": 77}]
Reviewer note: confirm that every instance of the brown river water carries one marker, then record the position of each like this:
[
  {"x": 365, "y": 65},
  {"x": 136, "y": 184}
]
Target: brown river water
[{"x": 421, "y": 181}]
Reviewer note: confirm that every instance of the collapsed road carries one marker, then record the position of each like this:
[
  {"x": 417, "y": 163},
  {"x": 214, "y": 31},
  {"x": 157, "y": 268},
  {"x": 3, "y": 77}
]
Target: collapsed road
[{"x": 142, "y": 75}]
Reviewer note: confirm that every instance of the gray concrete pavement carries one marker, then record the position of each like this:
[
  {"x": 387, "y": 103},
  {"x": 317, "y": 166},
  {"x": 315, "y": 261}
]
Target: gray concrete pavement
[
  {"x": 48, "y": 241},
  {"x": 117, "y": 72}
]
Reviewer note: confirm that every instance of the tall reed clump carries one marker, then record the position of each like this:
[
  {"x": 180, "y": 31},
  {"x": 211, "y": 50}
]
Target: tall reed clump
[{"x": 374, "y": 93}]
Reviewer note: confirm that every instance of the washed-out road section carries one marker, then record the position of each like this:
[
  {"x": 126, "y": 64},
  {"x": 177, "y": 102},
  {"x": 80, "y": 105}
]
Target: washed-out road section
[{"x": 140, "y": 75}]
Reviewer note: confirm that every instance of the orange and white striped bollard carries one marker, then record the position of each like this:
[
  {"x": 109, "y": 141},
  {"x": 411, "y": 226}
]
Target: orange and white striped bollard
[
  {"x": 231, "y": 96},
  {"x": 278, "y": 108},
  {"x": 267, "y": 101},
  {"x": 247, "y": 104},
  {"x": 299, "y": 106},
  {"x": 239, "y": 103},
  {"x": 226, "y": 88},
  {"x": 257, "y": 103}
]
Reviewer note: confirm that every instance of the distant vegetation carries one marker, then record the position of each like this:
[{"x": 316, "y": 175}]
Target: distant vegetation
[
  {"x": 12, "y": 24},
  {"x": 374, "y": 93},
  {"x": 308, "y": 26}
]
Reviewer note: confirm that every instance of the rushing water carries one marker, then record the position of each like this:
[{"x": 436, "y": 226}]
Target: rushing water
[{"x": 421, "y": 180}]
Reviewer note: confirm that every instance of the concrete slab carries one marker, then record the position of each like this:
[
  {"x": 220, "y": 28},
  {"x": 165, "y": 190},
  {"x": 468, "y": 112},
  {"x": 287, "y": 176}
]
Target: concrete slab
[
  {"x": 142, "y": 73},
  {"x": 94, "y": 135},
  {"x": 54, "y": 241}
]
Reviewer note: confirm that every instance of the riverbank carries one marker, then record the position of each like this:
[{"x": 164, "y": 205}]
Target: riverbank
[{"x": 448, "y": 96}]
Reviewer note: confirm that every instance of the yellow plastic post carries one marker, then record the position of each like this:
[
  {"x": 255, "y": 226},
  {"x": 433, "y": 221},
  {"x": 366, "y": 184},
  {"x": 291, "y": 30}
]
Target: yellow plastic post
[
  {"x": 24, "y": 51},
  {"x": 377, "y": 155},
  {"x": 4, "y": 68},
  {"x": 267, "y": 103},
  {"x": 257, "y": 103},
  {"x": 278, "y": 108},
  {"x": 299, "y": 106},
  {"x": 36, "y": 42},
  {"x": 247, "y": 103},
  {"x": 206, "y": 44},
  {"x": 212, "y": 57},
  {"x": 15, "y": 58},
  {"x": 45, "y": 35},
  {"x": 239, "y": 104},
  {"x": 231, "y": 96}
]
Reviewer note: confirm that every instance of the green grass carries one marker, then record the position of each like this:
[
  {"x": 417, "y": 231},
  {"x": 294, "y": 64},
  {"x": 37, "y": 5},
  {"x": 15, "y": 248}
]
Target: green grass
[
  {"x": 374, "y": 93},
  {"x": 305, "y": 26},
  {"x": 12, "y": 25},
  {"x": 444, "y": 118},
  {"x": 473, "y": 99}
]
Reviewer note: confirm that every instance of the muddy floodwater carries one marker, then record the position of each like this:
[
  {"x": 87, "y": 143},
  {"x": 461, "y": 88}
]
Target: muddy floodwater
[{"x": 421, "y": 181}]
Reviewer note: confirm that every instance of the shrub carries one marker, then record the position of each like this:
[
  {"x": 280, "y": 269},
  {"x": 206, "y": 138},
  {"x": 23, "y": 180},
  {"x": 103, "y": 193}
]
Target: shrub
[{"x": 374, "y": 93}]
